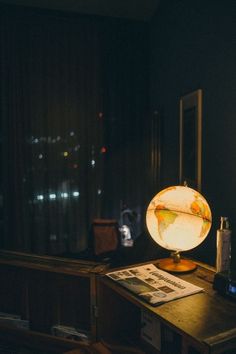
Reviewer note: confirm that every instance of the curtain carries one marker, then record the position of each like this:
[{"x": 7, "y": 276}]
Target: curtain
[
  {"x": 74, "y": 126},
  {"x": 52, "y": 128}
]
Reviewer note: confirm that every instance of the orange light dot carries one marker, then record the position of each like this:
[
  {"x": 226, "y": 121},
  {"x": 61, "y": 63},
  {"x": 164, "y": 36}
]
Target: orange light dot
[{"x": 103, "y": 150}]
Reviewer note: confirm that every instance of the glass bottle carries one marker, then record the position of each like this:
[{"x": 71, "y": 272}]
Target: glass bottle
[{"x": 223, "y": 246}]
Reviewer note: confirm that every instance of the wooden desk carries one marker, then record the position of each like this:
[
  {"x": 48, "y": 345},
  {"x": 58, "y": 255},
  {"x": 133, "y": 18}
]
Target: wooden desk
[{"x": 203, "y": 323}]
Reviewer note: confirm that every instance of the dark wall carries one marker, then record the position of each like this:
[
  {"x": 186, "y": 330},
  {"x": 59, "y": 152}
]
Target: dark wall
[{"x": 193, "y": 45}]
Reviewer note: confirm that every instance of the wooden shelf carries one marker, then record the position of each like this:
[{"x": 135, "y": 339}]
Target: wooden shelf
[{"x": 48, "y": 291}]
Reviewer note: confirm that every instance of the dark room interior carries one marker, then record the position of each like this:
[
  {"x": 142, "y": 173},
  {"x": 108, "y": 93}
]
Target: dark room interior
[{"x": 92, "y": 95}]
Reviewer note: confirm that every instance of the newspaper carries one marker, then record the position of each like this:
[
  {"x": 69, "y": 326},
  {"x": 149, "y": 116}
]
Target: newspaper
[{"x": 153, "y": 285}]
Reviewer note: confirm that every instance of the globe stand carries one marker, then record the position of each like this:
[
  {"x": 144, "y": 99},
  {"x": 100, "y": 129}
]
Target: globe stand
[{"x": 175, "y": 264}]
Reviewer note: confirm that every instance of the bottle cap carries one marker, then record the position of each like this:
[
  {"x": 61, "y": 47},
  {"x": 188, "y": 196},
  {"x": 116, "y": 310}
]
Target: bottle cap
[{"x": 224, "y": 222}]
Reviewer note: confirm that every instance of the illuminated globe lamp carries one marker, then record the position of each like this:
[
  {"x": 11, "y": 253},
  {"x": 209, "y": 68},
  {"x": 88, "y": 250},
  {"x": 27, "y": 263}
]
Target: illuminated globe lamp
[{"x": 178, "y": 219}]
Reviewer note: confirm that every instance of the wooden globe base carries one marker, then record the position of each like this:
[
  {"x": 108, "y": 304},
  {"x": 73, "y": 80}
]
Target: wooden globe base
[{"x": 169, "y": 265}]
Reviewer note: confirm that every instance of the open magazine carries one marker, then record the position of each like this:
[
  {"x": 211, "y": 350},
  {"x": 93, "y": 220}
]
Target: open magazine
[{"x": 153, "y": 285}]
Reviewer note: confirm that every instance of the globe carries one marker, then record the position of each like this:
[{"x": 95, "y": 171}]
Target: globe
[{"x": 178, "y": 218}]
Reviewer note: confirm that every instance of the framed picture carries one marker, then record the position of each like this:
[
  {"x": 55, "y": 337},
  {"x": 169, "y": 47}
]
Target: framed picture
[{"x": 190, "y": 169}]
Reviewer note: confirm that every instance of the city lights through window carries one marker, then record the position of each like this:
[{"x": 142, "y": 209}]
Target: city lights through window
[{"x": 63, "y": 195}]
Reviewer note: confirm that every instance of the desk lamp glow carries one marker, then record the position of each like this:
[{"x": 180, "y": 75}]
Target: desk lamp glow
[{"x": 178, "y": 218}]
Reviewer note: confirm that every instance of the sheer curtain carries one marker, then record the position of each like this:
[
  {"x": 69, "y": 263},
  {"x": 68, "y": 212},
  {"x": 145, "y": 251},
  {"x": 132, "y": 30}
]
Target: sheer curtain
[
  {"x": 75, "y": 126},
  {"x": 52, "y": 130}
]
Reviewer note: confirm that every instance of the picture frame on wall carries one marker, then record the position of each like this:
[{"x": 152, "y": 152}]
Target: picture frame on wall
[{"x": 190, "y": 164}]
